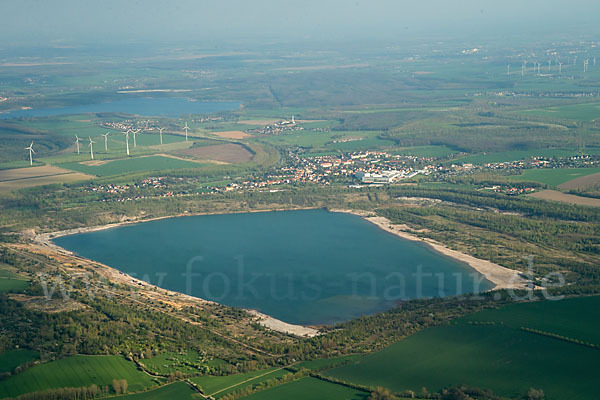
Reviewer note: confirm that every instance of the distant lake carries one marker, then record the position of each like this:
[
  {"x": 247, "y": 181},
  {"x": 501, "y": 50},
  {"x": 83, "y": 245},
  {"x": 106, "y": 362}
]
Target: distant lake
[
  {"x": 146, "y": 106},
  {"x": 303, "y": 267}
]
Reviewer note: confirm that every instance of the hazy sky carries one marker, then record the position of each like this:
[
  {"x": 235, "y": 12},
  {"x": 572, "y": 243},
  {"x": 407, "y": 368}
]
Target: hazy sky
[{"x": 120, "y": 20}]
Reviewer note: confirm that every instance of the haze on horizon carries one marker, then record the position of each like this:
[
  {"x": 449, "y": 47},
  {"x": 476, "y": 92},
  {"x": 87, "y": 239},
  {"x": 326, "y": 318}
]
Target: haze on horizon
[{"x": 38, "y": 22}]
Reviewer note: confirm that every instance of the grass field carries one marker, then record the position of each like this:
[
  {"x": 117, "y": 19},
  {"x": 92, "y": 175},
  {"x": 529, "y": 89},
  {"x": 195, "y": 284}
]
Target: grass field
[
  {"x": 219, "y": 386},
  {"x": 327, "y": 363},
  {"x": 75, "y": 371},
  {"x": 581, "y": 112},
  {"x": 11, "y": 359},
  {"x": 10, "y": 281},
  {"x": 309, "y": 388},
  {"x": 498, "y": 356},
  {"x": 129, "y": 165},
  {"x": 554, "y": 176},
  {"x": 177, "y": 390}
]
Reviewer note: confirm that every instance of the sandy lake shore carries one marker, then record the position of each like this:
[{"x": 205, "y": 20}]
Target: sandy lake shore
[
  {"x": 501, "y": 277},
  {"x": 44, "y": 241}
]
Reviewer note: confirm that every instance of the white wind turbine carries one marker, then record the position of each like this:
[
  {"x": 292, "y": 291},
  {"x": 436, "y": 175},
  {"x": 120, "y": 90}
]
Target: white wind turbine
[
  {"x": 160, "y": 130},
  {"x": 105, "y": 135},
  {"x": 186, "y": 128},
  {"x": 135, "y": 133},
  {"x": 127, "y": 139},
  {"x": 31, "y": 152},
  {"x": 91, "y": 145},
  {"x": 77, "y": 143}
]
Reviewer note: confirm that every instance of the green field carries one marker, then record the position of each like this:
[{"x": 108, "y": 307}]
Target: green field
[
  {"x": 327, "y": 363},
  {"x": 129, "y": 165},
  {"x": 426, "y": 151},
  {"x": 498, "y": 355},
  {"x": 10, "y": 281},
  {"x": 325, "y": 140},
  {"x": 582, "y": 112},
  {"x": 11, "y": 359},
  {"x": 219, "y": 386},
  {"x": 559, "y": 317},
  {"x": 190, "y": 362},
  {"x": 309, "y": 388},
  {"x": 516, "y": 155},
  {"x": 554, "y": 176},
  {"x": 177, "y": 390},
  {"x": 75, "y": 371}
]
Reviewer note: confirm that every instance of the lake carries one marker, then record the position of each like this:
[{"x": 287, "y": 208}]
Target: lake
[
  {"x": 304, "y": 267},
  {"x": 146, "y": 106}
]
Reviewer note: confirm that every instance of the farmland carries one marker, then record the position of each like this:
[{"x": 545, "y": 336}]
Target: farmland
[
  {"x": 582, "y": 112},
  {"x": 227, "y": 153},
  {"x": 555, "y": 176},
  {"x": 555, "y": 195},
  {"x": 219, "y": 386},
  {"x": 11, "y": 359},
  {"x": 177, "y": 390},
  {"x": 582, "y": 183},
  {"x": 75, "y": 371},
  {"x": 309, "y": 388},
  {"x": 13, "y": 179},
  {"x": 130, "y": 165},
  {"x": 494, "y": 352}
]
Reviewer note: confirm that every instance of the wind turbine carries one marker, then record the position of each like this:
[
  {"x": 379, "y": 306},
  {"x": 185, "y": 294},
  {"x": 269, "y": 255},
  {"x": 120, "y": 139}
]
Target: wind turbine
[
  {"x": 77, "y": 143},
  {"x": 91, "y": 148},
  {"x": 160, "y": 132},
  {"x": 186, "y": 128},
  {"x": 127, "y": 139},
  {"x": 549, "y": 65},
  {"x": 559, "y": 68},
  {"x": 523, "y": 68},
  {"x": 31, "y": 152},
  {"x": 135, "y": 133},
  {"x": 105, "y": 140},
  {"x": 508, "y": 70}
]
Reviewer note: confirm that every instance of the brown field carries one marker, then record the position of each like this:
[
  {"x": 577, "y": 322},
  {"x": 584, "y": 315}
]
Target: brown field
[
  {"x": 232, "y": 134},
  {"x": 19, "y": 178},
  {"x": 581, "y": 183},
  {"x": 229, "y": 153},
  {"x": 566, "y": 198},
  {"x": 32, "y": 172},
  {"x": 95, "y": 163}
]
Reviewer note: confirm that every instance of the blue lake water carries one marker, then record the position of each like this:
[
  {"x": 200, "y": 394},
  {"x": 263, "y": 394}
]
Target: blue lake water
[
  {"x": 303, "y": 267},
  {"x": 146, "y": 106}
]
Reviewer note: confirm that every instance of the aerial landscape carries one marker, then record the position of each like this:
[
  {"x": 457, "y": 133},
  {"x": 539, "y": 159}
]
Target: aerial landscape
[{"x": 299, "y": 200}]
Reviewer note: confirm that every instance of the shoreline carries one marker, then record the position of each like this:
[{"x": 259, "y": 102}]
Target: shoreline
[
  {"x": 501, "y": 277},
  {"x": 44, "y": 240}
]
